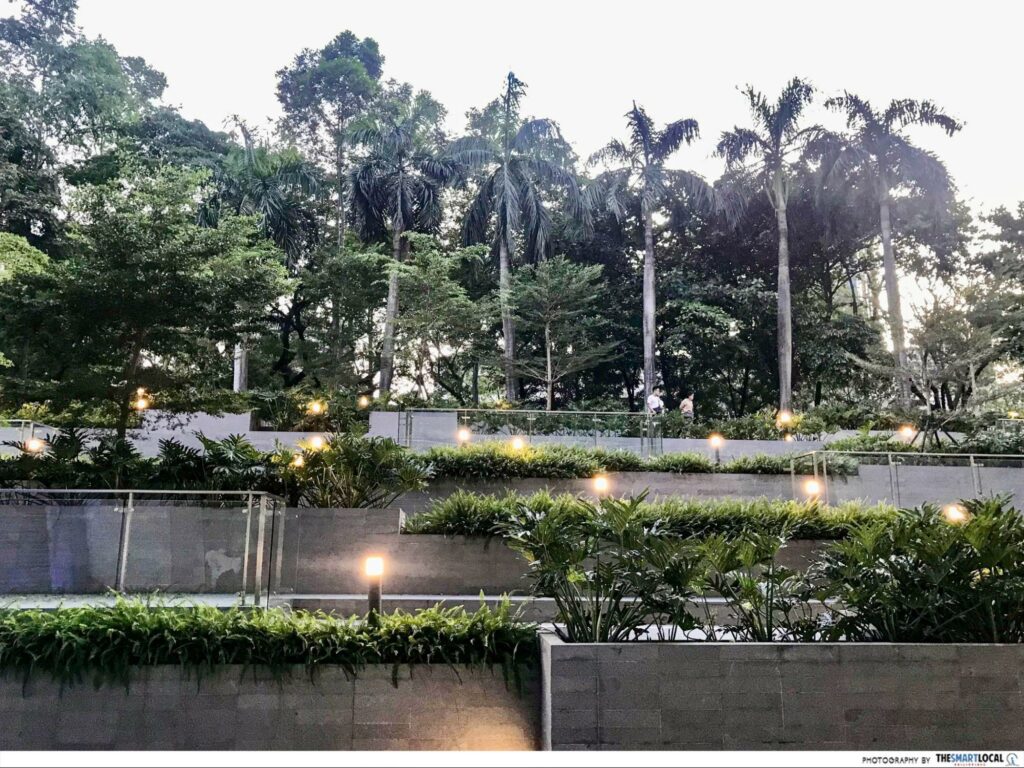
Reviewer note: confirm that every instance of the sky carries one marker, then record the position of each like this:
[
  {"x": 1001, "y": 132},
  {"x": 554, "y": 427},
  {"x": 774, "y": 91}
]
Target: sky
[{"x": 585, "y": 62}]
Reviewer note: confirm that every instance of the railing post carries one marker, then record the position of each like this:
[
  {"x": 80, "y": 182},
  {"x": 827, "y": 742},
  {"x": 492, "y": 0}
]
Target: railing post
[
  {"x": 126, "y": 531},
  {"x": 824, "y": 477},
  {"x": 975, "y": 475},
  {"x": 894, "y": 481},
  {"x": 245, "y": 554},
  {"x": 792, "y": 476},
  {"x": 257, "y": 589}
]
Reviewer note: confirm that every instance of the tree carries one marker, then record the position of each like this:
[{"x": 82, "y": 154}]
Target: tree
[
  {"x": 890, "y": 161},
  {"x": 396, "y": 189},
  {"x": 322, "y": 92},
  {"x": 559, "y": 300},
  {"x": 643, "y": 158},
  {"x": 775, "y": 137},
  {"x": 143, "y": 295},
  {"x": 520, "y": 171}
]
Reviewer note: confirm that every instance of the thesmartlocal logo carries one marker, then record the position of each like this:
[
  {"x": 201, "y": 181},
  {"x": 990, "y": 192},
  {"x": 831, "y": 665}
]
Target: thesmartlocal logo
[{"x": 980, "y": 759}]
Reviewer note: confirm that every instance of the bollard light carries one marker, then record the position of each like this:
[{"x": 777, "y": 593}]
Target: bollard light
[
  {"x": 1013, "y": 415},
  {"x": 463, "y": 435},
  {"x": 784, "y": 419},
  {"x": 812, "y": 487},
  {"x": 518, "y": 443},
  {"x": 716, "y": 441},
  {"x": 375, "y": 580},
  {"x": 788, "y": 438},
  {"x": 140, "y": 403},
  {"x": 907, "y": 432},
  {"x": 35, "y": 445},
  {"x": 363, "y": 401},
  {"x": 955, "y": 514},
  {"x": 601, "y": 484},
  {"x": 297, "y": 461},
  {"x": 316, "y": 408},
  {"x": 317, "y": 443}
]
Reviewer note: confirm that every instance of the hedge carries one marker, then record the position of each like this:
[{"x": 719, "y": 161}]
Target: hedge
[
  {"x": 471, "y": 514},
  {"x": 104, "y": 644}
]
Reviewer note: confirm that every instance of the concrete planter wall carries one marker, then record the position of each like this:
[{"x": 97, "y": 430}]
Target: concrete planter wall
[
  {"x": 708, "y": 696},
  {"x": 431, "y": 708}
]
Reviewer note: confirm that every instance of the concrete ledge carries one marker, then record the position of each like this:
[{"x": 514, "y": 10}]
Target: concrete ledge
[
  {"x": 710, "y": 696},
  {"x": 432, "y": 707}
]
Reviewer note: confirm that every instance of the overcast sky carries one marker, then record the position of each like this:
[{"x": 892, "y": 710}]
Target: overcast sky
[{"x": 585, "y": 61}]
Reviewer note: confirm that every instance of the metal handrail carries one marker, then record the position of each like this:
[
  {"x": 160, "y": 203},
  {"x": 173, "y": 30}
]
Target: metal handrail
[
  {"x": 912, "y": 453},
  {"x": 528, "y": 410},
  {"x": 144, "y": 491}
]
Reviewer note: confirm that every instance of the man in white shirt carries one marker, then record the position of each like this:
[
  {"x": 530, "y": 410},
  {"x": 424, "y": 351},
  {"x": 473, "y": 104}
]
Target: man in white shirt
[
  {"x": 655, "y": 404},
  {"x": 686, "y": 407}
]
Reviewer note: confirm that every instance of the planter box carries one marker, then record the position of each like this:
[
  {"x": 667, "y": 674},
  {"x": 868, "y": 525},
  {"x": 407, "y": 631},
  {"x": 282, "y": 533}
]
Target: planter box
[
  {"x": 851, "y": 696},
  {"x": 431, "y": 708}
]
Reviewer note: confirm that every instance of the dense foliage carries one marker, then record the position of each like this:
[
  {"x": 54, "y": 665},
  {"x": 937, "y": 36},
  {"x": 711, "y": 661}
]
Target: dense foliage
[
  {"x": 106, "y": 644},
  {"x": 470, "y": 514},
  {"x": 363, "y": 247}
]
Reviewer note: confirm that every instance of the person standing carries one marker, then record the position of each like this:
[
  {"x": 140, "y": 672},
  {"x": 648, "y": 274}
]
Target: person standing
[
  {"x": 655, "y": 404},
  {"x": 686, "y": 407}
]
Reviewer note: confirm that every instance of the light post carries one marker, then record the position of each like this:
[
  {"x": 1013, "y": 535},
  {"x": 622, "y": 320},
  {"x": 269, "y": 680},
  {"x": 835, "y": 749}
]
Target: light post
[
  {"x": 375, "y": 581},
  {"x": 716, "y": 441}
]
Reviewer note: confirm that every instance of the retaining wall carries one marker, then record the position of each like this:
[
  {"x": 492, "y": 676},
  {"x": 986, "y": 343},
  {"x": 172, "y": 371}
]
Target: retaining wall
[
  {"x": 850, "y": 696},
  {"x": 432, "y": 707}
]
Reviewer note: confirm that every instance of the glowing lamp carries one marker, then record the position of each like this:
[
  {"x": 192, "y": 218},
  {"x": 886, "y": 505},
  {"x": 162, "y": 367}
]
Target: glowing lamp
[
  {"x": 363, "y": 401},
  {"x": 784, "y": 417},
  {"x": 788, "y": 438},
  {"x": 812, "y": 487},
  {"x": 297, "y": 461},
  {"x": 955, "y": 514},
  {"x": 316, "y": 408},
  {"x": 35, "y": 445},
  {"x": 463, "y": 435},
  {"x": 375, "y": 566},
  {"x": 907, "y": 431},
  {"x": 601, "y": 484},
  {"x": 716, "y": 441},
  {"x": 140, "y": 404},
  {"x": 518, "y": 443},
  {"x": 317, "y": 443}
]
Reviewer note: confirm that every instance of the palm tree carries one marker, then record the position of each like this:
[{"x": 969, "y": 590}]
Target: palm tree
[
  {"x": 396, "y": 189},
  {"x": 878, "y": 148},
  {"x": 275, "y": 186},
  {"x": 512, "y": 197},
  {"x": 776, "y": 136},
  {"x": 642, "y": 159}
]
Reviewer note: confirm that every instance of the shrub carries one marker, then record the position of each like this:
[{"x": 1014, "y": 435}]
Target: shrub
[
  {"x": 502, "y": 461},
  {"x": 919, "y": 578},
  {"x": 681, "y": 463},
  {"x": 470, "y": 514},
  {"x": 105, "y": 644},
  {"x": 352, "y": 472}
]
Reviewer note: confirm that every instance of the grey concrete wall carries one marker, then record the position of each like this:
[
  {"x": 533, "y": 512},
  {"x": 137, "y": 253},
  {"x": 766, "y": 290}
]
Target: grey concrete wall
[
  {"x": 709, "y": 696},
  {"x": 432, "y": 708}
]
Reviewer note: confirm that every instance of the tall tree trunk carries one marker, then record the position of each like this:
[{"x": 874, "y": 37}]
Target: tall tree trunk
[
  {"x": 649, "y": 305},
  {"x": 892, "y": 297},
  {"x": 550, "y": 378},
  {"x": 508, "y": 328},
  {"x": 785, "y": 305},
  {"x": 339, "y": 169},
  {"x": 387, "y": 352},
  {"x": 475, "y": 389},
  {"x": 241, "y": 368}
]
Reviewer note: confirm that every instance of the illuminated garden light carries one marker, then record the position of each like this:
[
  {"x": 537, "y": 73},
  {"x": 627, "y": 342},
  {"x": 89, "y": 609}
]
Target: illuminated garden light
[
  {"x": 601, "y": 484},
  {"x": 35, "y": 445},
  {"x": 316, "y": 408},
  {"x": 955, "y": 514},
  {"x": 784, "y": 418},
  {"x": 317, "y": 443},
  {"x": 716, "y": 441},
  {"x": 297, "y": 461},
  {"x": 140, "y": 403},
  {"x": 788, "y": 438},
  {"x": 463, "y": 435},
  {"x": 374, "y": 568},
  {"x": 907, "y": 431},
  {"x": 518, "y": 443},
  {"x": 363, "y": 401},
  {"x": 812, "y": 487}
]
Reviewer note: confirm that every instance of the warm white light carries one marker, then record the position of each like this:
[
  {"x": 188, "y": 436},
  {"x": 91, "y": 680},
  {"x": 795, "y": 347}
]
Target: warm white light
[
  {"x": 907, "y": 431},
  {"x": 141, "y": 404},
  {"x": 1013, "y": 415},
  {"x": 812, "y": 487},
  {"x": 784, "y": 417},
  {"x": 317, "y": 443},
  {"x": 298, "y": 461},
  {"x": 363, "y": 401},
  {"x": 463, "y": 435},
  {"x": 316, "y": 407},
  {"x": 140, "y": 391},
  {"x": 955, "y": 514},
  {"x": 601, "y": 483},
  {"x": 789, "y": 438},
  {"x": 518, "y": 443},
  {"x": 34, "y": 445},
  {"x": 375, "y": 566},
  {"x": 716, "y": 440}
]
